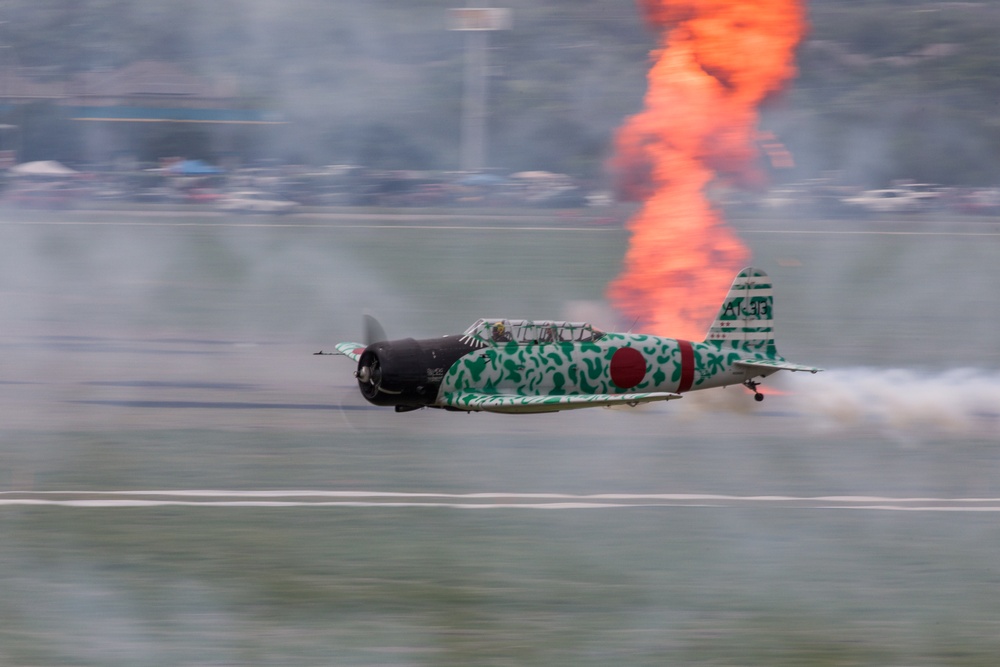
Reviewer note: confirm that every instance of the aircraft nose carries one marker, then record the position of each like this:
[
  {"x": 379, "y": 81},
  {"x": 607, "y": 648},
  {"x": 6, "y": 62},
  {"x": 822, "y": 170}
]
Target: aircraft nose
[{"x": 364, "y": 373}]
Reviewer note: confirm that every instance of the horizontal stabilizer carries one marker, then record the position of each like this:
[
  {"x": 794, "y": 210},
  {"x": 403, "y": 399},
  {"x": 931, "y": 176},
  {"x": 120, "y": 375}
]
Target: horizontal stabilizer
[
  {"x": 352, "y": 350},
  {"x": 509, "y": 403},
  {"x": 770, "y": 365}
]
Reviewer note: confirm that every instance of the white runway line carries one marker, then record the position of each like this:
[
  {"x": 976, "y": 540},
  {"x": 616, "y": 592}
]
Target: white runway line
[
  {"x": 278, "y": 503},
  {"x": 493, "y": 500},
  {"x": 322, "y": 493}
]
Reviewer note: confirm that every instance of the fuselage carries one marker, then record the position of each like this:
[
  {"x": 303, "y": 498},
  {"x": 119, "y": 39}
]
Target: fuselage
[
  {"x": 409, "y": 373},
  {"x": 616, "y": 363}
]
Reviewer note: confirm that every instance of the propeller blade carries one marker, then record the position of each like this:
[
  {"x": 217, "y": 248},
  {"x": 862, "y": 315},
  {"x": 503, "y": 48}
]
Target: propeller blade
[{"x": 374, "y": 333}]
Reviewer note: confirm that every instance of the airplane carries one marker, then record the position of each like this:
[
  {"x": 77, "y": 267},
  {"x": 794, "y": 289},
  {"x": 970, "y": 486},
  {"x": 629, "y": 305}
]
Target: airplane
[{"x": 533, "y": 366}]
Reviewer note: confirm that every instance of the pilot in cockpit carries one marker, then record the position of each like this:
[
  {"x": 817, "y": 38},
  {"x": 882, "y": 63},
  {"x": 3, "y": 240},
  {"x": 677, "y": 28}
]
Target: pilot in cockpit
[{"x": 500, "y": 333}]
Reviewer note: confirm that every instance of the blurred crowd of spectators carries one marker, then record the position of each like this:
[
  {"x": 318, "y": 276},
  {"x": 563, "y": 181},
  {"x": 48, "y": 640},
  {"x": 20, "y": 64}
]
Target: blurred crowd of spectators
[{"x": 192, "y": 182}]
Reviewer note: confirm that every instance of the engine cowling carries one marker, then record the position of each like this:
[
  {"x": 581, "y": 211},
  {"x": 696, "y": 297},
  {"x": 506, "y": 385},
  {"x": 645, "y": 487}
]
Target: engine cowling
[{"x": 407, "y": 373}]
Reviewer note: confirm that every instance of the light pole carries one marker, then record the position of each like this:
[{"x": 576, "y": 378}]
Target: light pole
[{"x": 476, "y": 22}]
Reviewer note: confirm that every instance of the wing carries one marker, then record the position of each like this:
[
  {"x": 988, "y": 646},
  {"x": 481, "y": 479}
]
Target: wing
[
  {"x": 511, "y": 404},
  {"x": 352, "y": 350},
  {"x": 771, "y": 365}
]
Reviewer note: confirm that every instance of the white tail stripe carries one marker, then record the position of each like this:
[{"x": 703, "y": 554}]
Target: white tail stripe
[{"x": 752, "y": 290}]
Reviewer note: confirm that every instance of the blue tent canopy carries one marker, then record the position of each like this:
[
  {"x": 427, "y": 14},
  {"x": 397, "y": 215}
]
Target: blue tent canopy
[
  {"x": 193, "y": 168},
  {"x": 481, "y": 179}
]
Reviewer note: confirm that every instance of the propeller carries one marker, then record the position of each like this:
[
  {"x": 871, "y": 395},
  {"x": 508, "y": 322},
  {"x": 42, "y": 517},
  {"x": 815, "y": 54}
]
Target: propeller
[
  {"x": 369, "y": 371},
  {"x": 369, "y": 376},
  {"x": 374, "y": 333}
]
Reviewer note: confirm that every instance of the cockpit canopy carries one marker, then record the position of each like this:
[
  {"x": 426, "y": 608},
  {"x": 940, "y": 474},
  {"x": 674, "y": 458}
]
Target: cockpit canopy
[{"x": 525, "y": 332}]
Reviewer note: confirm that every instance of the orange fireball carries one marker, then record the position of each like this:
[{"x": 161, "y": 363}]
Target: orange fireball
[{"x": 719, "y": 59}]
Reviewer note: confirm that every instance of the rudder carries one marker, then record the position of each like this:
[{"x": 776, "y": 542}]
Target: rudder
[{"x": 745, "y": 319}]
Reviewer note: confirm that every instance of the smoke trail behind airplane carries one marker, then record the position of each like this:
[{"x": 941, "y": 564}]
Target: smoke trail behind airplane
[
  {"x": 898, "y": 402},
  {"x": 963, "y": 400}
]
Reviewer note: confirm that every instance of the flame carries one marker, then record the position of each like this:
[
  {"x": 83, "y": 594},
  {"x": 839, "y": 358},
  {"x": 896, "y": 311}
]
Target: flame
[{"x": 719, "y": 59}]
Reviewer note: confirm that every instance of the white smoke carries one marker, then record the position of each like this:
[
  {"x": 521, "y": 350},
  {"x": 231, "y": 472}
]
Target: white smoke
[{"x": 959, "y": 401}]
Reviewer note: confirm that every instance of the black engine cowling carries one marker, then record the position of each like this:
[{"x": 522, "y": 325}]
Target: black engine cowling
[{"x": 407, "y": 373}]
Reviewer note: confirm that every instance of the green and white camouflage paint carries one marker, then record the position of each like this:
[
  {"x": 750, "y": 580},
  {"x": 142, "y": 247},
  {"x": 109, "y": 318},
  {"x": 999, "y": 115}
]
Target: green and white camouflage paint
[{"x": 519, "y": 366}]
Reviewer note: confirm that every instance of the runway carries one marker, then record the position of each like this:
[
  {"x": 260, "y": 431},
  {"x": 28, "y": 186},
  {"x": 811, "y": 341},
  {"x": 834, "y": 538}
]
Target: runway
[{"x": 180, "y": 477}]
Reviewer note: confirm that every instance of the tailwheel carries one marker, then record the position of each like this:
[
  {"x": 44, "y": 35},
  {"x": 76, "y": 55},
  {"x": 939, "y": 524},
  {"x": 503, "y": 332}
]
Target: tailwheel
[{"x": 752, "y": 386}]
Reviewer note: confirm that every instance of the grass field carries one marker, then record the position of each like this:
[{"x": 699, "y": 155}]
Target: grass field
[{"x": 175, "y": 353}]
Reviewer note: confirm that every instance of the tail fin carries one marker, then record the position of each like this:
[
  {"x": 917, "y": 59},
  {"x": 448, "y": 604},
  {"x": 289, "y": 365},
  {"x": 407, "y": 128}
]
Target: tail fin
[{"x": 745, "y": 318}]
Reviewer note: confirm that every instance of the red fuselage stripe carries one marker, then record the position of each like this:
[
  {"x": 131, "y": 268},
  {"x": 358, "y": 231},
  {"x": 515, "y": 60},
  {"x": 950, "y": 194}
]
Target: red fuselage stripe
[{"x": 687, "y": 366}]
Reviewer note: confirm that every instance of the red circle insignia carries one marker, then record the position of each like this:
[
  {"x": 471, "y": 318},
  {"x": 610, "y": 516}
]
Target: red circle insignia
[{"x": 628, "y": 367}]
